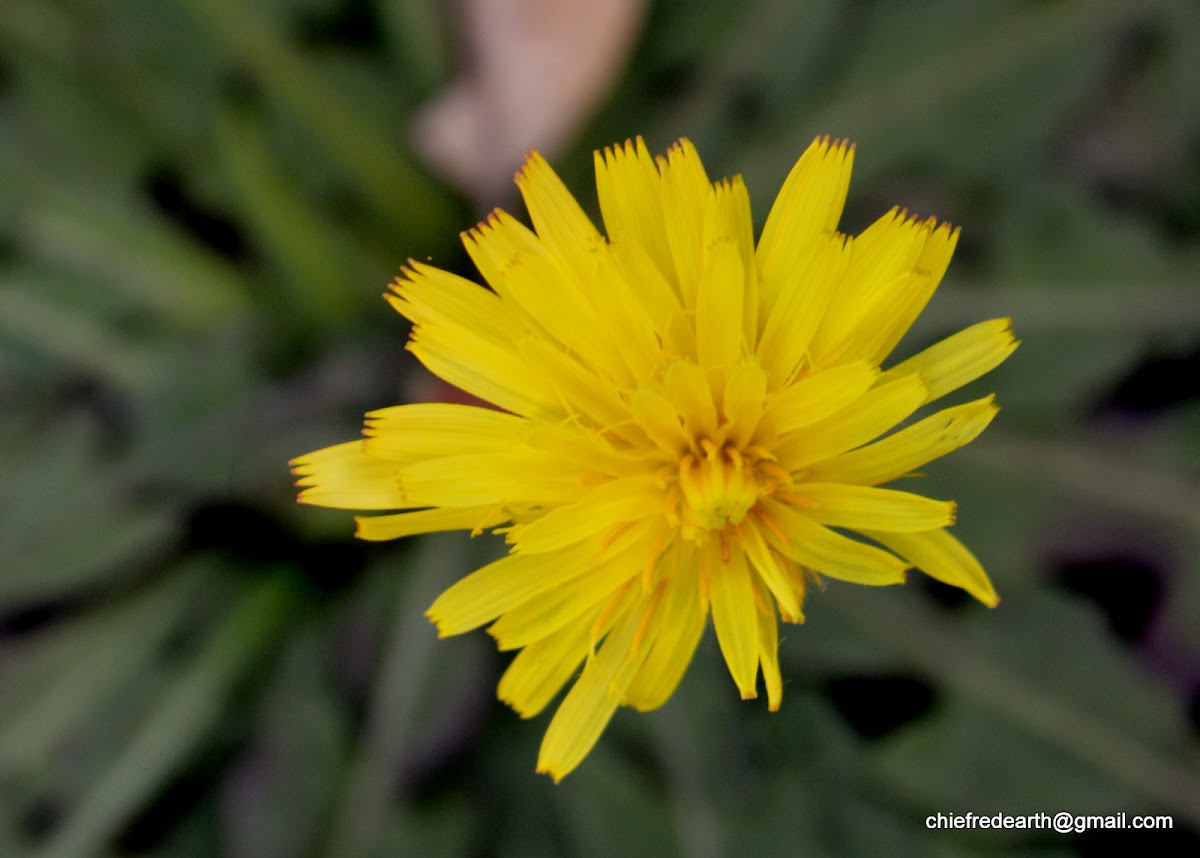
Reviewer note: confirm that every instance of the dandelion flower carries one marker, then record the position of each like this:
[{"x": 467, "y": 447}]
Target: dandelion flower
[{"x": 686, "y": 423}]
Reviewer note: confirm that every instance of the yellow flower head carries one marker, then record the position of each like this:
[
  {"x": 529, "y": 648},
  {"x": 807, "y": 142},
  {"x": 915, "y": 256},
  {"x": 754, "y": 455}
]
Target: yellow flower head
[{"x": 686, "y": 423}]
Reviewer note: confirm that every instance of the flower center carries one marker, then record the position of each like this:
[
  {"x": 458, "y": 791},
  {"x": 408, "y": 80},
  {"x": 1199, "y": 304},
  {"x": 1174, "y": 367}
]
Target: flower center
[{"x": 719, "y": 485}]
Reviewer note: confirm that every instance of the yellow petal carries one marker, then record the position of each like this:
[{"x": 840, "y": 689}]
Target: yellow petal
[
  {"x": 822, "y": 550},
  {"x": 502, "y": 585},
  {"x": 654, "y": 290},
  {"x": 770, "y": 571},
  {"x": 494, "y": 245},
  {"x": 591, "y": 702},
  {"x": 661, "y": 422},
  {"x": 940, "y": 555},
  {"x": 801, "y": 296},
  {"x": 630, "y": 192},
  {"x": 817, "y": 396},
  {"x": 520, "y": 475},
  {"x": 429, "y": 295},
  {"x": 927, "y": 274},
  {"x": 344, "y": 476},
  {"x": 808, "y": 207},
  {"x": 960, "y": 358},
  {"x": 727, "y": 220},
  {"x": 465, "y": 334},
  {"x": 583, "y": 451},
  {"x": 522, "y": 271},
  {"x": 679, "y": 339},
  {"x": 685, "y": 190},
  {"x": 374, "y": 528},
  {"x": 623, "y": 318},
  {"x": 875, "y": 322},
  {"x": 580, "y": 390},
  {"x": 863, "y": 507},
  {"x": 541, "y": 669},
  {"x": 890, "y": 246},
  {"x": 547, "y": 612},
  {"x": 870, "y": 416},
  {"x": 882, "y": 258},
  {"x": 559, "y": 220},
  {"x": 719, "y": 306},
  {"x": 734, "y": 618},
  {"x": 681, "y": 625},
  {"x": 688, "y": 390},
  {"x": 490, "y": 371},
  {"x": 910, "y": 448},
  {"x": 768, "y": 654},
  {"x": 407, "y": 433},
  {"x": 550, "y": 298},
  {"x": 742, "y": 404},
  {"x": 514, "y": 579},
  {"x": 612, "y": 503}
]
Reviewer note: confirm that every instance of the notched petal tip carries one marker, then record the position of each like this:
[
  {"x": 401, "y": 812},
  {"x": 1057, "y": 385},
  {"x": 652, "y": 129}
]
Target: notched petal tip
[
  {"x": 514, "y": 704},
  {"x": 682, "y": 149},
  {"x": 1009, "y": 334},
  {"x": 530, "y": 166},
  {"x": 436, "y": 621},
  {"x": 628, "y": 149},
  {"x": 555, "y": 775}
]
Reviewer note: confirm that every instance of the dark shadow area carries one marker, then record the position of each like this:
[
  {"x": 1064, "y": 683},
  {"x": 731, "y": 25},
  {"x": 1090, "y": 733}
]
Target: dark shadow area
[
  {"x": 874, "y": 706},
  {"x": 1162, "y": 381},
  {"x": 1128, "y": 590},
  {"x": 165, "y": 188}
]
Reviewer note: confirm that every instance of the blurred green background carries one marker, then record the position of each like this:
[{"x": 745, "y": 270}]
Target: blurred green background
[{"x": 200, "y": 202}]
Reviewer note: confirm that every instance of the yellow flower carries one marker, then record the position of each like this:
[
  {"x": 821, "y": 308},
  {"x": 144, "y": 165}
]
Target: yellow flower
[{"x": 687, "y": 422}]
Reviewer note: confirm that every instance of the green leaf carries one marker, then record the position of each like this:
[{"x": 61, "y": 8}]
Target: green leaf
[
  {"x": 376, "y": 165},
  {"x": 276, "y": 799},
  {"x": 297, "y": 238},
  {"x": 79, "y": 665},
  {"x": 404, "y": 673},
  {"x": 175, "y": 726},
  {"x": 1043, "y": 667}
]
